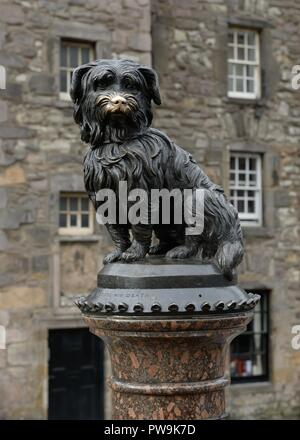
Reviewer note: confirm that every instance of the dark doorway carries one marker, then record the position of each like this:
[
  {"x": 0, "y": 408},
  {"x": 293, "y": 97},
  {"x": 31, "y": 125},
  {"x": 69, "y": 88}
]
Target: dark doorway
[{"x": 75, "y": 375}]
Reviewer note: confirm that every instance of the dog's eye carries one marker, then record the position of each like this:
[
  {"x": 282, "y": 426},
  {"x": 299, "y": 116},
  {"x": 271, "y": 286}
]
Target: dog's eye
[
  {"x": 103, "y": 82},
  {"x": 129, "y": 84}
]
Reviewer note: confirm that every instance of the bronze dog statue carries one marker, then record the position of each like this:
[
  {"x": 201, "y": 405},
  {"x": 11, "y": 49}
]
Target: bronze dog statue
[{"x": 112, "y": 105}]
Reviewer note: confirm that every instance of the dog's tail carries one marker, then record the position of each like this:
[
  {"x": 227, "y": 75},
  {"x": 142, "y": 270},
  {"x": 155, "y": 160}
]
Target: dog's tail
[{"x": 228, "y": 256}]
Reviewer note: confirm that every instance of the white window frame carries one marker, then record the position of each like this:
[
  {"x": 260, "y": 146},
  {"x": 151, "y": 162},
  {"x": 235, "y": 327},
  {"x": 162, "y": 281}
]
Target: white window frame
[
  {"x": 260, "y": 332},
  {"x": 248, "y": 219},
  {"x": 255, "y": 64},
  {"x": 66, "y": 95},
  {"x": 76, "y": 230}
]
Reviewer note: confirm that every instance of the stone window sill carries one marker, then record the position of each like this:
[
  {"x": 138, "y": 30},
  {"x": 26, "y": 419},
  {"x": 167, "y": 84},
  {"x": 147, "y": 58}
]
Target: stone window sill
[
  {"x": 78, "y": 238},
  {"x": 64, "y": 103},
  {"x": 244, "y": 101},
  {"x": 257, "y": 231},
  {"x": 251, "y": 387}
]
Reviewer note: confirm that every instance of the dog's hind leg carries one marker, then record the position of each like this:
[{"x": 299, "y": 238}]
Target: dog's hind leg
[
  {"x": 191, "y": 244},
  {"x": 189, "y": 249},
  {"x": 142, "y": 235},
  {"x": 168, "y": 236},
  {"x": 228, "y": 256},
  {"x": 121, "y": 239}
]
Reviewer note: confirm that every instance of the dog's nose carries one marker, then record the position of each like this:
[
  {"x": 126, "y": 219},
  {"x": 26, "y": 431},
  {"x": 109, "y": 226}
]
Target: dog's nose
[{"x": 117, "y": 100}]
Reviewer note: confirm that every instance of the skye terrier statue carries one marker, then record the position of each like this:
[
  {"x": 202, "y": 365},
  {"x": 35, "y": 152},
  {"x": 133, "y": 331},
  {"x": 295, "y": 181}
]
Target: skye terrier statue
[{"x": 112, "y": 105}]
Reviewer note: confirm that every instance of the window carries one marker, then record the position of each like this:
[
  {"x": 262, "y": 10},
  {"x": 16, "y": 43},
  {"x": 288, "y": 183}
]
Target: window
[
  {"x": 72, "y": 55},
  {"x": 75, "y": 214},
  {"x": 243, "y": 64},
  {"x": 249, "y": 351},
  {"x": 246, "y": 187}
]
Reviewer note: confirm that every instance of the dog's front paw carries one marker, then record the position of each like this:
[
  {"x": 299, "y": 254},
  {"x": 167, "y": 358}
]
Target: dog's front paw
[
  {"x": 160, "y": 248},
  {"x": 134, "y": 253},
  {"x": 112, "y": 256},
  {"x": 182, "y": 252}
]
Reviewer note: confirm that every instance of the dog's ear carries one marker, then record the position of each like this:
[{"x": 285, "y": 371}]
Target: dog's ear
[
  {"x": 151, "y": 80},
  {"x": 77, "y": 89},
  {"x": 77, "y": 92}
]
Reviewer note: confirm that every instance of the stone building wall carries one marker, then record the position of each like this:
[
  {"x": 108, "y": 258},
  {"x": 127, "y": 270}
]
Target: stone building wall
[
  {"x": 40, "y": 155},
  {"x": 189, "y": 40}
]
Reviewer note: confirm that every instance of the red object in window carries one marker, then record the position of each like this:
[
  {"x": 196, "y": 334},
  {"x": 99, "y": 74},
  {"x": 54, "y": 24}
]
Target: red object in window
[{"x": 239, "y": 367}]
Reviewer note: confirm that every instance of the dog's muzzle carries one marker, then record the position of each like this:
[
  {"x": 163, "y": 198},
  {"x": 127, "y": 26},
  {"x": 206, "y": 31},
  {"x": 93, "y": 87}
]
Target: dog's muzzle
[
  {"x": 114, "y": 104},
  {"x": 118, "y": 104}
]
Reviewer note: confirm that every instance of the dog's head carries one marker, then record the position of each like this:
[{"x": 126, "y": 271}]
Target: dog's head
[{"x": 112, "y": 99}]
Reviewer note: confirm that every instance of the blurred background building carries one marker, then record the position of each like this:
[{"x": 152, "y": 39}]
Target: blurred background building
[{"x": 225, "y": 74}]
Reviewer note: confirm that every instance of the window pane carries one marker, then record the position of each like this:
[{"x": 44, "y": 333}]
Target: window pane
[
  {"x": 73, "y": 220},
  {"x": 231, "y": 69},
  {"x": 251, "y": 207},
  {"x": 73, "y": 203},
  {"x": 251, "y": 39},
  {"x": 250, "y": 86},
  {"x": 63, "y": 203},
  {"x": 232, "y": 163},
  {"x": 84, "y": 204},
  {"x": 63, "y": 81},
  {"x": 62, "y": 220},
  {"x": 242, "y": 178},
  {"x": 84, "y": 220},
  {"x": 241, "y": 38},
  {"x": 239, "y": 70},
  {"x": 241, "y": 53},
  {"x": 251, "y": 54},
  {"x": 230, "y": 85},
  {"x": 241, "y": 193},
  {"x": 252, "y": 164},
  {"x": 242, "y": 163},
  {"x": 250, "y": 193},
  {"x": 241, "y": 206},
  {"x": 232, "y": 176},
  {"x": 231, "y": 52},
  {"x": 230, "y": 37},
  {"x": 252, "y": 179},
  {"x": 239, "y": 85},
  {"x": 85, "y": 55},
  {"x": 250, "y": 71},
  {"x": 63, "y": 56},
  {"x": 73, "y": 56}
]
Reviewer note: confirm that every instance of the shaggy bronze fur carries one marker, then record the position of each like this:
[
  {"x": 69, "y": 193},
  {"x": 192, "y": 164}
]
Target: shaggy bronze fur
[{"x": 112, "y": 105}]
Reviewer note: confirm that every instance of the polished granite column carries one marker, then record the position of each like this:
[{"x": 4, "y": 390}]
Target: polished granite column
[{"x": 168, "y": 325}]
